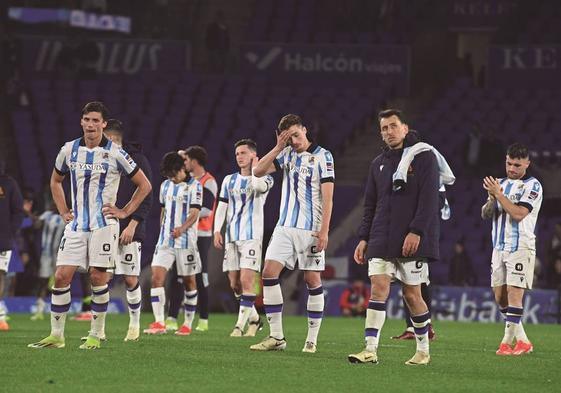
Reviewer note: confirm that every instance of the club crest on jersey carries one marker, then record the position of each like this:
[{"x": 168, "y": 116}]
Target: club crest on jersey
[
  {"x": 311, "y": 160},
  {"x": 105, "y": 156}
]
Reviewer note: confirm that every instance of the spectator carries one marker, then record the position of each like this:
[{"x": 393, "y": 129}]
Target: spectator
[
  {"x": 218, "y": 44},
  {"x": 554, "y": 246},
  {"x": 554, "y": 276},
  {"x": 28, "y": 243},
  {"x": 461, "y": 270},
  {"x": 354, "y": 299}
]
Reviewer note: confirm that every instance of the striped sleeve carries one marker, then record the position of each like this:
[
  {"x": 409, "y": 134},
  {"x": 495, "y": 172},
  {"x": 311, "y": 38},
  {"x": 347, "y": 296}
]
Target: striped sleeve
[
  {"x": 281, "y": 159},
  {"x": 224, "y": 195},
  {"x": 196, "y": 196},
  {"x": 532, "y": 195},
  {"x": 61, "y": 167},
  {"x": 162, "y": 196},
  {"x": 326, "y": 167},
  {"x": 125, "y": 163}
]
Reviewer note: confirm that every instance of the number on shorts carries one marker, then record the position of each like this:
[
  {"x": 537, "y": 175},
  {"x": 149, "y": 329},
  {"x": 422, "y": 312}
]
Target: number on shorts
[
  {"x": 128, "y": 257},
  {"x": 419, "y": 264},
  {"x": 62, "y": 243},
  {"x": 314, "y": 250},
  {"x": 106, "y": 247},
  {"x": 252, "y": 253},
  {"x": 519, "y": 267},
  {"x": 190, "y": 258}
]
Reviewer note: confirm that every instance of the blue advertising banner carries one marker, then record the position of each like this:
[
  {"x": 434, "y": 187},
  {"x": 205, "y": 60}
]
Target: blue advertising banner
[
  {"x": 359, "y": 64},
  {"x": 463, "y": 304},
  {"x": 524, "y": 66},
  {"x": 75, "y": 18},
  {"x": 116, "y": 56}
]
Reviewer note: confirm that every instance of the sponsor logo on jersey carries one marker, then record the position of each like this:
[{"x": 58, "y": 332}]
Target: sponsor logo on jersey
[{"x": 94, "y": 168}]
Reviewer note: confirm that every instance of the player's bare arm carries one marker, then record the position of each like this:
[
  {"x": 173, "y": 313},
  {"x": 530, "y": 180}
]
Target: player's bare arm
[
  {"x": 488, "y": 208},
  {"x": 192, "y": 218},
  {"x": 327, "y": 208},
  {"x": 219, "y": 219},
  {"x": 128, "y": 233},
  {"x": 492, "y": 185},
  {"x": 410, "y": 244},
  {"x": 265, "y": 164},
  {"x": 58, "y": 197},
  {"x": 360, "y": 252},
  {"x": 143, "y": 188},
  {"x": 259, "y": 183}
]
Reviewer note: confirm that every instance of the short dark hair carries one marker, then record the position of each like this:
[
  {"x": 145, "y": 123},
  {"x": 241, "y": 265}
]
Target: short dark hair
[
  {"x": 96, "y": 106},
  {"x": 171, "y": 163},
  {"x": 197, "y": 153},
  {"x": 391, "y": 112},
  {"x": 288, "y": 121},
  {"x": 250, "y": 143},
  {"x": 517, "y": 150},
  {"x": 114, "y": 125}
]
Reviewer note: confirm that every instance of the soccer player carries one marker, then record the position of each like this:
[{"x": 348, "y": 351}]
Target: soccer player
[
  {"x": 513, "y": 204},
  {"x": 181, "y": 199},
  {"x": 398, "y": 235},
  {"x": 11, "y": 214},
  {"x": 241, "y": 202},
  {"x": 302, "y": 231},
  {"x": 195, "y": 160},
  {"x": 53, "y": 229},
  {"x": 90, "y": 240},
  {"x": 132, "y": 230}
]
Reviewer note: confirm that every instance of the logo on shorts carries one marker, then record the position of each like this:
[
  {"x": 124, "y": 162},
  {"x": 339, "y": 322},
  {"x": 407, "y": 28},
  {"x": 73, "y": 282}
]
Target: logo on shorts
[{"x": 318, "y": 261}]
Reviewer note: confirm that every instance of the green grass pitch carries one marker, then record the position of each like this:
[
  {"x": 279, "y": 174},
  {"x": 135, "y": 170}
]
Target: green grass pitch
[{"x": 463, "y": 360}]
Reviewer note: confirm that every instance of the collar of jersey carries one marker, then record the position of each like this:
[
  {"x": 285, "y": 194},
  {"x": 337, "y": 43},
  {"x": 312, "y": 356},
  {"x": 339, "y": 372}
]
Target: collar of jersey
[
  {"x": 524, "y": 178},
  {"x": 312, "y": 148},
  {"x": 103, "y": 143}
]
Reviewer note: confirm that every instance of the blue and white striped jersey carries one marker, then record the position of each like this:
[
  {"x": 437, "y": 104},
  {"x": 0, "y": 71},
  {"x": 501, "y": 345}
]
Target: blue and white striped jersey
[
  {"x": 303, "y": 174},
  {"x": 176, "y": 200},
  {"x": 53, "y": 229},
  {"x": 94, "y": 178},
  {"x": 508, "y": 234},
  {"x": 245, "y": 215}
]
